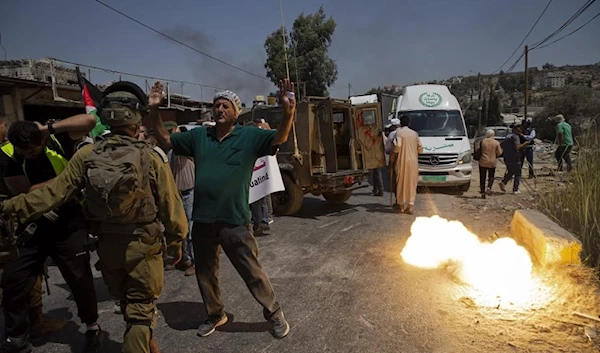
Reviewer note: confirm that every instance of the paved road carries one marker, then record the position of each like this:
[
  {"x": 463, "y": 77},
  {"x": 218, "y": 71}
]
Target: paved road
[{"x": 337, "y": 272}]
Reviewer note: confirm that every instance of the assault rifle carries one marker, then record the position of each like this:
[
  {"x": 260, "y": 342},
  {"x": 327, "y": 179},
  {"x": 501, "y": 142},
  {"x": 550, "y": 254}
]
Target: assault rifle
[{"x": 9, "y": 241}]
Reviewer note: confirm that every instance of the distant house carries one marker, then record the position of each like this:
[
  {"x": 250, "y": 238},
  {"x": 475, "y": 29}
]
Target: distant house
[
  {"x": 554, "y": 80},
  {"x": 509, "y": 119},
  {"x": 38, "y": 70}
]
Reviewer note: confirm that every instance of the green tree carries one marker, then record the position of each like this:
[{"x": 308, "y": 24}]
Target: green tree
[
  {"x": 393, "y": 89},
  {"x": 548, "y": 66},
  {"x": 578, "y": 104},
  {"x": 494, "y": 109},
  {"x": 307, "y": 50}
]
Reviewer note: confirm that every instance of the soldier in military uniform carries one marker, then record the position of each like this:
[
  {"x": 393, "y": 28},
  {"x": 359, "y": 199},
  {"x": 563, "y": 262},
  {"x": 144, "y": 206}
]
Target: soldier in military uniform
[{"x": 130, "y": 200}]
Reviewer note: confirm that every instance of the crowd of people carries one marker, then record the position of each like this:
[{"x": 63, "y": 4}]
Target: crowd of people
[
  {"x": 149, "y": 211},
  {"x": 516, "y": 148}
]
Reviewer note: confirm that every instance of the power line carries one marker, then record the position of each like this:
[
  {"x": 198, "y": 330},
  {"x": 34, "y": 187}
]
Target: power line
[
  {"x": 578, "y": 13},
  {"x": 512, "y": 67},
  {"x": 2, "y": 46},
  {"x": 133, "y": 75},
  {"x": 565, "y": 36},
  {"x": 180, "y": 42},
  {"x": 526, "y": 36},
  {"x": 537, "y": 45}
]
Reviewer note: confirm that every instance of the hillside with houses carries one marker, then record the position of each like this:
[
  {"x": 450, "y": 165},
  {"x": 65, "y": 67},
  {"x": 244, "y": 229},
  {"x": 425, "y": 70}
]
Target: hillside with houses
[{"x": 501, "y": 97}]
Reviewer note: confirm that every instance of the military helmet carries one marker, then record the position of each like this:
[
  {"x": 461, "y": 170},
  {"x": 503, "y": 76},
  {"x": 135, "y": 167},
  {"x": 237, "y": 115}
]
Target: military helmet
[{"x": 122, "y": 103}]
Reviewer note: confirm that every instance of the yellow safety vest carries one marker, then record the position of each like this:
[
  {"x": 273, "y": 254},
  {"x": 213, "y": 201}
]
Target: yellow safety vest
[{"x": 59, "y": 163}]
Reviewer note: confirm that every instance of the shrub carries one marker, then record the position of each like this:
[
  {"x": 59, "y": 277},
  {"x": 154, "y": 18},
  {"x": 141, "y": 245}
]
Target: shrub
[
  {"x": 575, "y": 204},
  {"x": 578, "y": 105}
]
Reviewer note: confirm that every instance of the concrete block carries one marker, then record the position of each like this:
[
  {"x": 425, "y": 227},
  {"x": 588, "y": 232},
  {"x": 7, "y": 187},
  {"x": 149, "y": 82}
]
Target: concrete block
[{"x": 545, "y": 240}]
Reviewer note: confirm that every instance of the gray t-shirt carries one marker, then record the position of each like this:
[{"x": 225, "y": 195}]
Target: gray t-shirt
[{"x": 509, "y": 146}]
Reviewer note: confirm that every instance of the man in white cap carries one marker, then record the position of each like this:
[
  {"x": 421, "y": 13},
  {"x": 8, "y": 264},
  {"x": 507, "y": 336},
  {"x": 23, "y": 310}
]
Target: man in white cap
[
  {"x": 565, "y": 143},
  {"x": 225, "y": 155},
  {"x": 389, "y": 144}
]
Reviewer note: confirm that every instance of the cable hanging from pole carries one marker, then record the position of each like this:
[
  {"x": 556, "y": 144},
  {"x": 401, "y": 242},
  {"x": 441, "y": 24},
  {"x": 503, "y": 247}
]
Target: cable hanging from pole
[
  {"x": 525, "y": 38},
  {"x": 578, "y": 13},
  {"x": 180, "y": 42},
  {"x": 567, "y": 35},
  {"x": 130, "y": 74}
]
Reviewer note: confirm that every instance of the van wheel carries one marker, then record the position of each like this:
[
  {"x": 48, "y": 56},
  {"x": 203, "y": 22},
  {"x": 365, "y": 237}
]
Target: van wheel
[
  {"x": 337, "y": 197},
  {"x": 289, "y": 201},
  {"x": 464, "y": 187}
]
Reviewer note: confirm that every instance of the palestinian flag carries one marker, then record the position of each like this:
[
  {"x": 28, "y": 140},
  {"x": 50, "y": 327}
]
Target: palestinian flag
[{"x": 91, "y": 98}]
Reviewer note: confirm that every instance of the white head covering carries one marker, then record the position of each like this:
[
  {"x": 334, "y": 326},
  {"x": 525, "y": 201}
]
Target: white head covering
[
  {"x": 230, "y": 96},
  {"x": 395, "y": 122}
]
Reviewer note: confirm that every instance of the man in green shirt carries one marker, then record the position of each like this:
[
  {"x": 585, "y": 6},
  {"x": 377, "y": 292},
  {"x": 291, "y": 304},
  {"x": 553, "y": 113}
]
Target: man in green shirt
[
  {"x": 224, "y": 157},
  {"x": 565, "y": 143}
]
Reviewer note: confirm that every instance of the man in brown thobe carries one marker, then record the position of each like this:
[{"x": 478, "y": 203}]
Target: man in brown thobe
[{"x": 407, "y": 146}]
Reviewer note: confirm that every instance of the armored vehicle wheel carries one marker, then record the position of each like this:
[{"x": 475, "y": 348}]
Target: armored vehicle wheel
[
  {"x": 289, "y": 201},
  {"x": 337, "y": 197}
]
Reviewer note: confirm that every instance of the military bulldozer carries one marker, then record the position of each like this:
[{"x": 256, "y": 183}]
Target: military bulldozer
[{"x": 329, "y": 152}]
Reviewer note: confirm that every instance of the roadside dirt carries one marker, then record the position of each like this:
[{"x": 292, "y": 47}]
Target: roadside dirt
[{"x": 547, "y": 325}]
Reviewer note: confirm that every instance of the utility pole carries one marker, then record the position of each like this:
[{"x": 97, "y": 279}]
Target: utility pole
[
  {"x": 526, "y": 82},
  {"x": 349, "y": 89},
  {"x": 479, "y": 108}
]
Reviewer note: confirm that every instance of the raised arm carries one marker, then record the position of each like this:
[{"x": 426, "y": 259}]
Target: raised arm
[
  {"x": 289, "y": 111},
  {"x": 161, "y": 133},
  {"x": 76, "y": 126}
]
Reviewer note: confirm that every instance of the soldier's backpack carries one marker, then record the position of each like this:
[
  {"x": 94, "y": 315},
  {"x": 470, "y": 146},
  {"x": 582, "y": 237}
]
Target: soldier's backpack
[{"x": 117, "y": 182}]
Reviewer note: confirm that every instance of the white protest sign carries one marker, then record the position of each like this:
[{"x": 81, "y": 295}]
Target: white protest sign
[{"x": 266, "y": 178}]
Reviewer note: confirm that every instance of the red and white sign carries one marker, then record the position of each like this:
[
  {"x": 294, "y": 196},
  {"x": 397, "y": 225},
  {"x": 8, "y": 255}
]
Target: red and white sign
[{"x": 266, "y": 178}]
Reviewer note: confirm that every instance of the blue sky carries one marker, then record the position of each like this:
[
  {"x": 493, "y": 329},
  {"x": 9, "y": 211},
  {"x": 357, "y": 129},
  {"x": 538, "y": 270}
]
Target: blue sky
[{"x": 376, "y": 43}]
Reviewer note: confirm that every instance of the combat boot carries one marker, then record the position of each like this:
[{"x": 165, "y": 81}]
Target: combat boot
[
  {"x": 16, "y": 345},
  {"x": 41, "y": 325},
  {"x": 93, "y": 341}
]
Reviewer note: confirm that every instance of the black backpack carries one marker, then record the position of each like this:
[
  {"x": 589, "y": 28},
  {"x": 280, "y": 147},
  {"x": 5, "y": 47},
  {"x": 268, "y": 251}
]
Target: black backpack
[{"x": 477, "y": 153}]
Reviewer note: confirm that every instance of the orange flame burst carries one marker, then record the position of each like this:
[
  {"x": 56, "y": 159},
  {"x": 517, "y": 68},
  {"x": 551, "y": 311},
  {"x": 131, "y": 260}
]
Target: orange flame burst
[{"x": 501, "y": 269}]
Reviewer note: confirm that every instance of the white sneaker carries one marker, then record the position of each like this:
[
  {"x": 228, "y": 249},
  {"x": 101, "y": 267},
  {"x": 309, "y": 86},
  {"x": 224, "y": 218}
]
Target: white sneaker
[{"x": 516, "y": 192}]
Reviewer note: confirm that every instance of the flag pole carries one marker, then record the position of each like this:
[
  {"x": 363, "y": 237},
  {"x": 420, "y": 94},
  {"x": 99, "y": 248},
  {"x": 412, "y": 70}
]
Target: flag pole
[
  {"x": 287, "y": 67},
  {"x": 296, "y": 154}
]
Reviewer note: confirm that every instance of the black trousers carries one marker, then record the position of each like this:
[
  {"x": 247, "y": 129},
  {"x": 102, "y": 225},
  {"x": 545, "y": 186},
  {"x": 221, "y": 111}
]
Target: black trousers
[
  {"x": 64, "y": 241},
  {"x": 564, "y": 153},
  {"x": 239, "y": 245},
  {"x": 528, "y": 153},
  {"x": 513, "y": 170},
  {"x": 486, "y": 173}
]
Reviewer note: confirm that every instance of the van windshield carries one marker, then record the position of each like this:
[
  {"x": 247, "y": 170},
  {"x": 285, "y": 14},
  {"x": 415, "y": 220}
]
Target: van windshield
[{"x": 436, "y": 122}]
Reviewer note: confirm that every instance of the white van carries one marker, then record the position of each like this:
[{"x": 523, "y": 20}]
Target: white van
[{"x": 436, "y": 115}]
